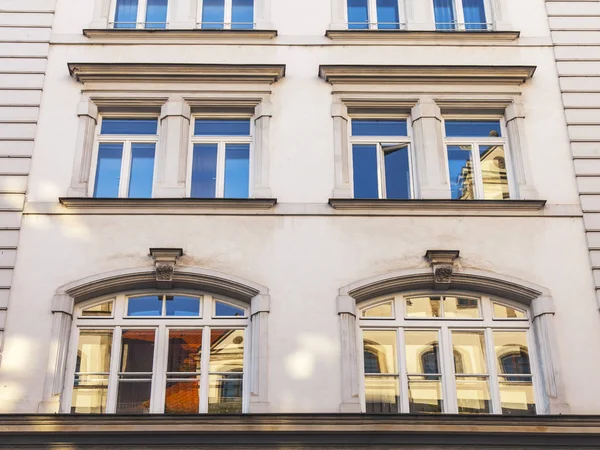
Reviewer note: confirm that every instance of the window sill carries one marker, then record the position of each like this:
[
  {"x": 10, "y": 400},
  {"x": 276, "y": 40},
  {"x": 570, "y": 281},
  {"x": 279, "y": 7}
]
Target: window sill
[
  {"x": 153, "y": 35},
  {"x": 188, "y": 204},
  {"x": 435, "y": 204},
  {"x": 438, "y": 36}
]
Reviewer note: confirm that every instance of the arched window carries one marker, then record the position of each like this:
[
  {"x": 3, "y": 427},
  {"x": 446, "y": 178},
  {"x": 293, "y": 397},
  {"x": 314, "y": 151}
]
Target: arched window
[
  {"x": 448, "y": 353},
  {"x": 173, "y": 353}
]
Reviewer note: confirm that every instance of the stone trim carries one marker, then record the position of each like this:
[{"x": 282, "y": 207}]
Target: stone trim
[
  {"x": 128, "y": 204},
  {"x": 123, "y": 35},
  {"x": 444, "y": 37},
  {"x": 440, "y": 204}
]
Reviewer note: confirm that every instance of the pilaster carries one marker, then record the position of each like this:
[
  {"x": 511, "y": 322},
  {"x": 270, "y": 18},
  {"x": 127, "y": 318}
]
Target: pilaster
[{"x": 87, "y": 111}]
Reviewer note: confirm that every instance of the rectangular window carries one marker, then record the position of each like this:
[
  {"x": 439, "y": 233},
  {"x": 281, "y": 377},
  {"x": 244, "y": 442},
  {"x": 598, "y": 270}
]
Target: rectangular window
[
  {"x": 477, "y": 160},
  {"x": 221, "y": 158},
  {"x": 381, "y": 371},
  {"x": 227, "y": 14},
  {"x": 226, "y": 371},
  {"x": 182, "y": 395},
  {"x": 424, "y": 371},
  {"x": 125, "y": 160},
  {"x": 373, "y": 14},
  {"x": 461, "y": 15},
  {"x": 381, "y": 159},
  {"x": 140, "y": 14}
]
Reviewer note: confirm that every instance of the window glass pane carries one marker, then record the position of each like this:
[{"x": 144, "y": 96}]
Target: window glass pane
[
  {"x": 461, "y": 172},
  {"x": 204, "y": 171},
  {"x": 185, "y": 350},
  {"x": 182, "y": 306},
  {"x": 473, "y": 128},
  {"x": 473, "y": 395},
  {"x": 149, "y": 306},
  {"x": 493, "y": 171},
  {"x": 380, "y": 352},
  {"x": 222, "y": 127},
  {"x": 507, "y": 312},
  {"x": 126, "y": 14},
  {"x": 422, "y": 352},
  {"x": 474, "y": 11},
  {"x": 422, "y": 307},
  {"x": 364, "y": 160},
  {"x": 512, "y": 354},
  {"x": 133, "y": 397},
  {"x": 469, "y": 352},
  {"x": 444, "y": 14},
  {"x": 381, "y": 395},
  {"x": 237, "y": 170},
  {"x": 93, "y": 353},
  {"x": 183, "y": 397},
  {"x": 142, "y": 171},
  {"x": 425, "y": 394},
  {"x": 226, "y": 310},
  {"x": 156, "y": 14},
  {"x": 213, "y": 14},
  {"x": 381, "y": 310},
  {"x": 225, "y": 393},
  {"x": 379, "y": 128},
  {"x": 516, "y": 395},
  {"x": 387, "y": 14},
  {"x": 137, "y": 350},
  {"x": 358, "y": 14},
  {"x": 129, "y": 126},
  {"x": 397, "y": 172},
  {"x": 461, "y": 307},
  {"x": 242, "y": 15},
  {"x": 101, "y": 310},
  {"x": 89, "y": 394},
  {"x": 226, "y": 351},
  {"x": 108, "y": 171}
]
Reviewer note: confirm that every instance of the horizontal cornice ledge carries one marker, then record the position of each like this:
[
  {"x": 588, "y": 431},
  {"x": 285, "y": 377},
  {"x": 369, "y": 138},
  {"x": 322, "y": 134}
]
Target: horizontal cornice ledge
[
  {"x": 433, "y": 204},
  {"x": 443, "y": 37},
  {"x": 115, "y": 34},
  {"x": 167, "y": 203},
  {"x": 176, "y": 73},
  {"x": 377, "y": 74}
]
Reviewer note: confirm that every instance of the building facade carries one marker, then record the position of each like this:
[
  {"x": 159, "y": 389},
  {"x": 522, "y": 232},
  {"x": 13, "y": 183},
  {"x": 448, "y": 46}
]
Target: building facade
[{"x": 300, "y": 209}]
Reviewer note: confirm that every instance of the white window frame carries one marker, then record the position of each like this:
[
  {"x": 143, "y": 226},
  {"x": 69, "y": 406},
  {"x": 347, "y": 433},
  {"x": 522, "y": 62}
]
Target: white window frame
[
  {"x": 119, "y": 321},
  {"x": 399, "y": 323},
  {"x": 127, "y": 140},
  {"x": 380, "y": 141},
  {"x": 475, "y": 143},
  {"x": 373, "y": 19},
  {"x": 227, "y": 16},
  {"x": 141, "y": 14},
  {"x": 221, "y": 142},
  {"x": 459, "y": 15}
]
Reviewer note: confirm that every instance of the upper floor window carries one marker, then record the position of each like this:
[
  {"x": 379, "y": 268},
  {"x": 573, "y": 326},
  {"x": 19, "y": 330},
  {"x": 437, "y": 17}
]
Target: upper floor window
[
  {"x": 169, "y": 353},
  {"x": 446, "y": 353},
  {"x": 381, "y": 159},
  {"x": 461, "y": 14},
  {"x": 373, "y": 14},
  {"x": 140, "y": 14},
  {"x": 477, "y": 159},
  {"x": 227, "y": 14},
  {"x": 220, "y": 165},
  {"x": 125, "y": 149}
]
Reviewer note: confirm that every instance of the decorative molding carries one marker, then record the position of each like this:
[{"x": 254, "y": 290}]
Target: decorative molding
[
  {"x": 128, "y": 204},
  {"x": 439, "y": 204},
  {"x": 164, "y": 262},
  {"x": 122, "y": 35},
  {"x": 176, "y": 73},
  {"x": 442, "y": 263},
  {"x": 450, "y": 37},
  {"x": 375, "y": 74}
]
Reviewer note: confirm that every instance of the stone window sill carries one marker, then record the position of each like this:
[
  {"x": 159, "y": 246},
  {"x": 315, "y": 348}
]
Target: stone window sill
[
  {"x": 435, "y": 204},
  {"x": 153, "y": 35},
  {"x": 438, "y": 36},
  {"x": 189, "y": 204}
]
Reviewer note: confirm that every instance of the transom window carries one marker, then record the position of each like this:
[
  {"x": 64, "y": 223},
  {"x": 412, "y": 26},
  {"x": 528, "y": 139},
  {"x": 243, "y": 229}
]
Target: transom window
[
  {"x": 373, "y": 14},
  {"x": 172, "y": 353},
  {"x": 462, "y": 14},
  {"x": 477, "y": 159},
  {"x": 220, "y": 165},
  {"x": 449, "y": 353},
  {"x": 227, "y": 14},
  {"x": 125, "y": 157},
  {"x": 381, "y": 159},
  {"x": 140, "y": 13}
]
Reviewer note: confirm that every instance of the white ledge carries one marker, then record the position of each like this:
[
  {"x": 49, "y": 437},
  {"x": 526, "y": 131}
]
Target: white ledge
[
  {"x": 424, "y": 36},
  {"x": 123, "y": 34},
  {"x": 167, "y": 203},
  {"x": 433, "y": 204}
]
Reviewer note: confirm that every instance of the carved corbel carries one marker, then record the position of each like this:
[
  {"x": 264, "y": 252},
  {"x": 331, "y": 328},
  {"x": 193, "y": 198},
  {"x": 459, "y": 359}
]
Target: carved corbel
[
  {"x": 442, "y": 263},
  {"x": 164, "y": 261}
]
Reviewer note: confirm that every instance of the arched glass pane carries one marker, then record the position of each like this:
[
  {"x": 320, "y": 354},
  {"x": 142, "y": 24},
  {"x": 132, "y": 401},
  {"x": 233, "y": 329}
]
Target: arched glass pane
[
  {"x": 461, "y": 308},
  {"x": 422, "y": 307},
  {"x": 385, "y": 310},
  {"x": 223, "y": 309},
  {"x": 507, "y": 312},
  {"x": 102, "y": 310},
  {"x": 182, "y": 306},
  {"x": 146, "y": 306}
]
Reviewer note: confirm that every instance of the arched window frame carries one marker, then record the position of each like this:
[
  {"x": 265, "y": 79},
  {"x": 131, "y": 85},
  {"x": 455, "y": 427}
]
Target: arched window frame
[{"x": 399, "y": 323}]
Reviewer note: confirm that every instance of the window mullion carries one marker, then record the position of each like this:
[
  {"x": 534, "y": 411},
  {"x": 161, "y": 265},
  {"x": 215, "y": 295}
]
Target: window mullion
[
  {"x": 373, "y": 19},
  {"x": 125, "y": 169},
  {"x": 459, "y": 15},
  {"x": 381, "y": 171},
  {"x": 204, "y": 369},
  {"x": 534, "y": 370},
  {"x": 220, "y": 187},
  {"x": 228, "y": 14},
  {"x": 448, "y": 374},
  {"x": 402, "y": 372},
  {"x": 141, "y": 14},
  {"x": 159, "y": 382},
  {"x": 113, "y": 378},
  {"x": 478, "y": 174},
  {"x": 492, "y": 370}
]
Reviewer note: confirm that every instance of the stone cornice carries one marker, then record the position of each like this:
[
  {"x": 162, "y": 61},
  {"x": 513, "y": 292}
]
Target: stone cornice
[
  {"x": 433, "y": 204},
  {"x": 374, "y": 74},
  {"x": 154, "y": 36},
  {"x": 443, "y": 37},
  {"x": 176, "y": 73},
  {"x": 128, "y": 204}
]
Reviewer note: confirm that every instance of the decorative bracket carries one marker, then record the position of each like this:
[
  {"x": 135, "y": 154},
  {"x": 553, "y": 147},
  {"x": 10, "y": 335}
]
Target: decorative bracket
[
  {"x": 442, "y": 263},
  {"x": 164, "y": 261}
]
